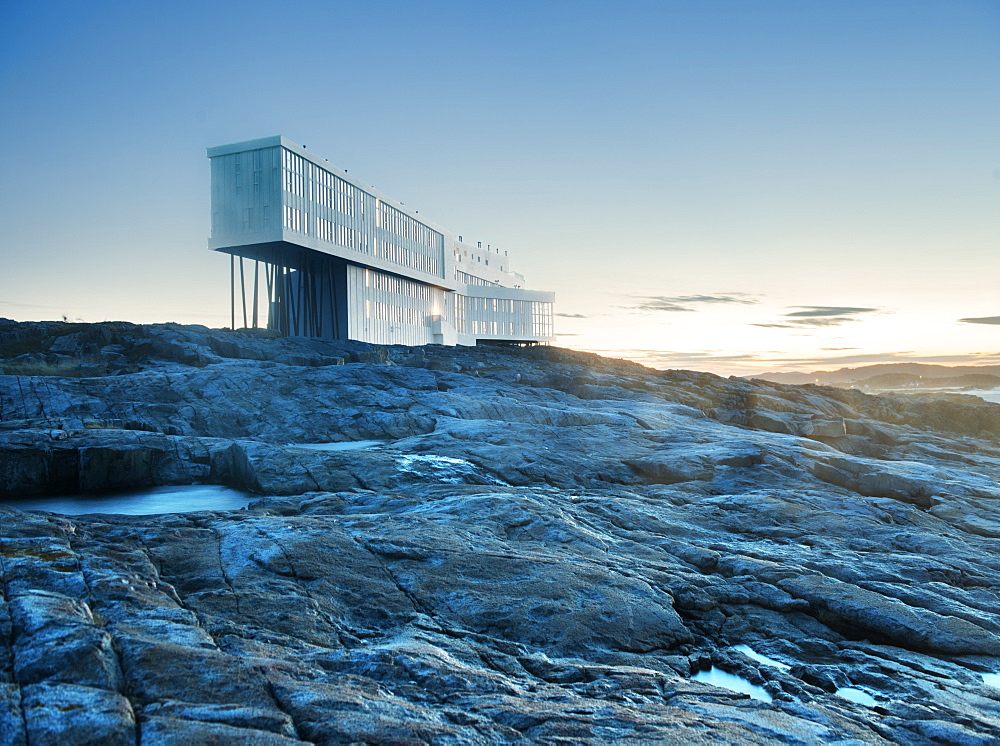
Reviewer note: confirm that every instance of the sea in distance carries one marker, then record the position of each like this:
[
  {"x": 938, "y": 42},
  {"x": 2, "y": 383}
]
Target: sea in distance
[{"x": 990, "y": 395}]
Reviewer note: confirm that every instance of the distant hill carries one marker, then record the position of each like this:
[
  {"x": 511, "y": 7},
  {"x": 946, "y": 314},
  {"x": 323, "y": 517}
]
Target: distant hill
[{"x": 898, "y": 375}]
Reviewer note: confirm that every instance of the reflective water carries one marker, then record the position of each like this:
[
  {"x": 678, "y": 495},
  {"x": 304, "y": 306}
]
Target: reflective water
[
  {"x": 761, "y": 658},
  {"x": 348, "y": 445},
  {"x": 147, "y": 501},
  {"x": 992, "y": 679},
  {"x": 718, "y": 677},
  {"x": 858, "y": 696},
  {"x": 992, "y": 395},
  {"x": 410, "y": 459}
]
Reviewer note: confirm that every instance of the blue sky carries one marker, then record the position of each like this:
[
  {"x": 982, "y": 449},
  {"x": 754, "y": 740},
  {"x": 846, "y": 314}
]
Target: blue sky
[{"x": 689, "y": 177}]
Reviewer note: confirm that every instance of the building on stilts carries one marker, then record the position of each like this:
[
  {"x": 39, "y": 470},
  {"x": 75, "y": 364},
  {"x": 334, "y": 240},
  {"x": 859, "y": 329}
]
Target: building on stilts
[{"x": 316, "y": 253}]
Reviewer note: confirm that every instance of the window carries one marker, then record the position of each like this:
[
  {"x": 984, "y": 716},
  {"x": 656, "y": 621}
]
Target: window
[
  {"x": 293, "y": 219},
  {"x": 347, "y": 197}
]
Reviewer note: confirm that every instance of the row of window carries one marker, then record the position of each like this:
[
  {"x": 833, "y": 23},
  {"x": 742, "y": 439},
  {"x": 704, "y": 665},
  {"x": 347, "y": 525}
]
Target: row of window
[
  {"x": 402, "y": 225},
  {"x": 472, "y": 279},
  {"x": 297, "y": 220},
  {"x": 325, "y": 229},
  {"x": 496, "y": 328},
  {"x": 460, "y": 256},
  {"x": 502, "y": 316},
  {"x": 496, "y": 305},
  {"x": 327, "y": 190},
  {"x": 541, "y": 319},
  {"x": 416, "y": 245},
  {"x": 293, "y": 219},
  {"x": 406, "y": 257},
  {"x": 293, "y": 173},
  {"x": 348, "y": 237},
  {"x": 397, "y": 285},
  {"x": 305, "y": 179},
  {"x": 382, "y": 311},
  {"x": 348, "y": 196}
]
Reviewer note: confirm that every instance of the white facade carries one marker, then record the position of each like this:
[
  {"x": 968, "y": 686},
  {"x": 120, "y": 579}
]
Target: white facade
[{"x": 342, "y": 260}]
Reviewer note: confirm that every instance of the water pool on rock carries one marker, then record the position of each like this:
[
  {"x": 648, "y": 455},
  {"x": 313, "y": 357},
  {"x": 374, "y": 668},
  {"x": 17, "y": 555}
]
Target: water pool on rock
[
  {"x": 185, "y": 498},
  {"x": 858, "y": 696},
  {"x": 350, "y": 445},
  {"x": 718, "y": 677},
  {"x": 761, "y": 658}
]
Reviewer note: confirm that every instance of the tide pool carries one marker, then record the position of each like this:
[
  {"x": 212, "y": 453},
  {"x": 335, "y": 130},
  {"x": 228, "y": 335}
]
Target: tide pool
[
  {"x": 185, "y": 498},
  {"x": 348, "y": 445},
  {"x": 718, "y": 677}
]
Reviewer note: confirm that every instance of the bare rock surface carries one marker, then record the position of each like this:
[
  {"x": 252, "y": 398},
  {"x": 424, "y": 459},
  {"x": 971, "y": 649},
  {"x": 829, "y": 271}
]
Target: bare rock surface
[{"x": 545, "y": 546}]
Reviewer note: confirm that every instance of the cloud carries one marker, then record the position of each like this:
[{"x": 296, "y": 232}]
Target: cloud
[
  {"x": 833, "y": 321},
  {"x": 681, "y": 303},
  {"x": 658, "y": 304},
  {"x": 572, "y": 315},
  {"x": 982, "y": 320},
  {"x": 25, "y": 305},
  {"x": 814, "y": 311},
  {"x": 740, "y": 298},
  {"x": 817, "y": 317},
  {"x": 800, "y": 323}
]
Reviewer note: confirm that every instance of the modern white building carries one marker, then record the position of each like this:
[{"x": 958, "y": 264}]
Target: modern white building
[{"x": 333, "y": 258}]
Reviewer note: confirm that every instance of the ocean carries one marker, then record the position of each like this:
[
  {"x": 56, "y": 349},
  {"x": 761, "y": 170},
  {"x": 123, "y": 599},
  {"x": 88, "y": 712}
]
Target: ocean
[{"x": 992, "y": 395}]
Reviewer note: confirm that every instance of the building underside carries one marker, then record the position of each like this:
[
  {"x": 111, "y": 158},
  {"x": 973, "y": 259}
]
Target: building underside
[{"x": 295, "y": 291}]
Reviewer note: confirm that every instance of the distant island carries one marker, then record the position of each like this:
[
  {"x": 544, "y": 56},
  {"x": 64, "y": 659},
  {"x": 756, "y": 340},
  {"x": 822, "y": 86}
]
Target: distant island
[{"x": 891, "y": 376}]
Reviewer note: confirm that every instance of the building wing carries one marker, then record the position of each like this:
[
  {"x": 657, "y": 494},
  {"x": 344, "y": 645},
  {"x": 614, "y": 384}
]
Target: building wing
[{"x": 322, "y": 255}]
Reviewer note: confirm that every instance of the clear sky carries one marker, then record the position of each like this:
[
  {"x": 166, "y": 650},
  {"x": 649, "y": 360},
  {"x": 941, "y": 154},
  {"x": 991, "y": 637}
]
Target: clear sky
[{"x": 723, "y": 185}]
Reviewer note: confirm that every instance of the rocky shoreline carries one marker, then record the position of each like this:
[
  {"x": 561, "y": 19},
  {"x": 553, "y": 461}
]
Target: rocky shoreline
[{"x": 547, "y": 546}]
